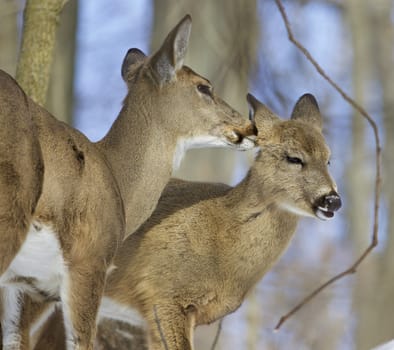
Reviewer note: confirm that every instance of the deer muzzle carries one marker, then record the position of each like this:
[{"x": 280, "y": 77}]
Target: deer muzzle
[
  {"x": 243, "y": 138},
  {"x": 326, "y": 205}
]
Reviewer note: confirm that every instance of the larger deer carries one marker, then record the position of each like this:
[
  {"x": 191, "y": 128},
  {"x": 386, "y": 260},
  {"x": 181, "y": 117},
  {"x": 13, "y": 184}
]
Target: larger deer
[
  {"x": 206, "y": 245},
  {"x": 79, "y": 219}
]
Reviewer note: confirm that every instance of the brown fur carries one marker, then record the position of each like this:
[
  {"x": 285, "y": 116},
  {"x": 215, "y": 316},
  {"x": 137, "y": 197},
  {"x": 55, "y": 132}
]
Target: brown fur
[
  {"x": 21, "y": 168},
  {"x": 85, "y": 183},
  {"x": 206, "y": 245}
]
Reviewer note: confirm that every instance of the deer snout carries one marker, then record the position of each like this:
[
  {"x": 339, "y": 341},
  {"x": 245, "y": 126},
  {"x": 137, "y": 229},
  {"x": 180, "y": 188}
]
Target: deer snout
[
  {"x": 244, "y": 138},
  {"x": 326, "y": 205}
]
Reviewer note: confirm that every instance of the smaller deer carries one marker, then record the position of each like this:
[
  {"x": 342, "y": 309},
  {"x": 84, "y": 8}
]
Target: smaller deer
[{"x": 206, "y": 245}]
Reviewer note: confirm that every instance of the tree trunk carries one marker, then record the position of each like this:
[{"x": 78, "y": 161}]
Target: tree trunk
[
  {"x": 41, "y": 18},
  {"x": 381, "y": 325},
  {"x": 370, "y": 319},
  {"x": 61, "y": 91}
]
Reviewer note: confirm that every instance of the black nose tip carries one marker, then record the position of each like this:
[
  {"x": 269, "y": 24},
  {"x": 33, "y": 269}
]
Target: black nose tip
[{"x": 331, "y": 202}]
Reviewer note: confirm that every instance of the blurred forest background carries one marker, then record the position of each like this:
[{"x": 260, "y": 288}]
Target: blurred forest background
[{"x": 242, "y": 46}]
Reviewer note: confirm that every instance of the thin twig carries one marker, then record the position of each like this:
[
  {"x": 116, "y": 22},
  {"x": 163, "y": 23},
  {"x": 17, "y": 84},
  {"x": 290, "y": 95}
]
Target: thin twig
[
  {"x": 361, "y": 110},
  {"x": 157, "y": 320},
  {"x": 217, "y": 335}
]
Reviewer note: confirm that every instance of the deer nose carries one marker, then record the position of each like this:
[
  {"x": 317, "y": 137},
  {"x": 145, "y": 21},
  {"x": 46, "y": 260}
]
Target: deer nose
[
  {"x": 331, "y": 202},
  {"x": 326, "y": 205},
  {"x": 244, "y": 137}
]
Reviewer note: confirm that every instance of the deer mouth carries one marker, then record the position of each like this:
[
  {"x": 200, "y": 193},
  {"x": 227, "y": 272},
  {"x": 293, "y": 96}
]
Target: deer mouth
[
  {"x": 324, "y": 213},
  {"x": 247, "y": 142},
  {"x": 241, "y": 138},
  {"x": 240, "y": 141},
  {"x": 327, "y": 205}
]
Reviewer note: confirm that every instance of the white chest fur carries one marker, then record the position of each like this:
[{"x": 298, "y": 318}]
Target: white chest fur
[
  {"x": 185, "y": 144},
  {"x": 39, "y": 261}
]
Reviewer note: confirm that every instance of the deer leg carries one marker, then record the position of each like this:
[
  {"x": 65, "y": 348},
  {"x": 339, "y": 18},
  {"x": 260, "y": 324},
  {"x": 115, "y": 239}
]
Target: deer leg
[
  {"x": 19, "y": 312},
  {"x": 12, "y": 305},
  {"x": 81, "y": 293},
  {"x": 51, "y": 334},
  {"x": 171, "y": 328},
  {"x": 34, "y": 315}
]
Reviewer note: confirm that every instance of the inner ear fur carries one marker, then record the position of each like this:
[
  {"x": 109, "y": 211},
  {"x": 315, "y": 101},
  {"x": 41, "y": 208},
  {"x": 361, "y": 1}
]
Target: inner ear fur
[
  {"x": 307, "y": 110},
  {"x": 169, "y": 58},
  {"x": 261, "y": 115},
  {"x": 132, "y": 59}
]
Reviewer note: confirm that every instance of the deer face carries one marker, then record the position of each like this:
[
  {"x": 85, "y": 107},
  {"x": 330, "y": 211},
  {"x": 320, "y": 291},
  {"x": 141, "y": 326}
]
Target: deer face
[
  {"x": 294, "y": 159},
  {"x": 181, "y": 101}
]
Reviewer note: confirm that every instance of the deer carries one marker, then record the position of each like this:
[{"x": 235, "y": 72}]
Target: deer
[
  {"x": 207, "y": 244},
  {"x": 94, "y": 195}
]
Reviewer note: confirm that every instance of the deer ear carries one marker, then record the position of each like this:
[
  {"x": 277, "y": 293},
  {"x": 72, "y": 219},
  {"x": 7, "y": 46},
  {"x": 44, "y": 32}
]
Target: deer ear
[
  {"x": 307, "y": 110},
  {"x": 169, "y": 59},
  {"x": 260, "y": 114},
  {"x": 132, "y": 59}
]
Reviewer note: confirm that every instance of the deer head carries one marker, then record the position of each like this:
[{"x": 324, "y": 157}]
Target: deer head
[
  {"x": 183, "y": 102},
  {"x": 298, "y": 158}
]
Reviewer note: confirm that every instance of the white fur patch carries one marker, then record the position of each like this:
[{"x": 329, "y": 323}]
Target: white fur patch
[
  {"x": 207, "y": 141},
  {"x": 185, "y": 144},
  {"x": 247, "y": 143},
  {"x": 295, "y": 210},
  {"x": 111, "y": 309},
  {"x": 40, "y": 257}
]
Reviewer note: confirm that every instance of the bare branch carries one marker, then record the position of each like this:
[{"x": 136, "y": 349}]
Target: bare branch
[
  {"x": 157, "y": 320},
  {"x": 217, "y": 335},
  {"x": 373, "y": 125}
]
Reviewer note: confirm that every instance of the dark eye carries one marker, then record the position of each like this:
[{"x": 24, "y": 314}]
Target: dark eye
[
  {"x": 205, "y": 89},
  {"x": 328, "y": 163},
  {"x": 294, "y": 160}
]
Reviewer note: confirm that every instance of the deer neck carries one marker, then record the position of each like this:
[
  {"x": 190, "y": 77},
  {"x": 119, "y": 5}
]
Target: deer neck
[
  {"x": 262, "y": 233},
  {"x": 140, "y": 155}
]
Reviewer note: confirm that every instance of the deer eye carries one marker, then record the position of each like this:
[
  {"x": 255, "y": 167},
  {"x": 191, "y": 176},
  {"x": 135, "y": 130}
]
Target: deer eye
[
  {"x": 205, "y": 89},
  {"x": 294, "y": 160}
]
